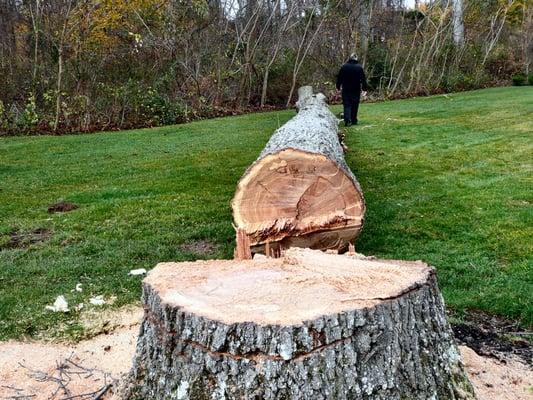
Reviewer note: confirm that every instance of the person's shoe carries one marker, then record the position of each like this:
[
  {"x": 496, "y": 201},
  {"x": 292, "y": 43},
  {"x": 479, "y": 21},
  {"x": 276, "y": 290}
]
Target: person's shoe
[{"x": 347, "y": 124}]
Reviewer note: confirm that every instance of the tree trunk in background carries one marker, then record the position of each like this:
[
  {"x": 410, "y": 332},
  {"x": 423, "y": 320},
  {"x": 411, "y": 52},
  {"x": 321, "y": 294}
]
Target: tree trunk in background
[
  {"x": 34, "y": 13},
  {"x": 264, "y": 88},
  {"x": 300, "y": 191},
  {"x": 364, "y": 18},
  {"x": 527, "y": 34},
  {"x": 8, "y": 42},
  {"x": 61, "y": 50},
  {"x": 307, "y": 326},
  {"x": 458, "y": 23},
  {"x": 59, "y": 78}
]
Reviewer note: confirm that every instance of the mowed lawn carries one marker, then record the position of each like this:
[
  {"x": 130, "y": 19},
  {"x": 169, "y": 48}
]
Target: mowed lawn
[{"x": 447, "y": 179}]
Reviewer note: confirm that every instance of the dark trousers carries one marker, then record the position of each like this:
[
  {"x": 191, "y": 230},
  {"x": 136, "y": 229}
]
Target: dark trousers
[{"x": 351, "y": 106}]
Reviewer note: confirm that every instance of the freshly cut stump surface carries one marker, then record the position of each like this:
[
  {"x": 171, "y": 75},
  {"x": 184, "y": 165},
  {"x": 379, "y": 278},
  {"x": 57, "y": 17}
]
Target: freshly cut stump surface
[{"x": 308, "y": 325}]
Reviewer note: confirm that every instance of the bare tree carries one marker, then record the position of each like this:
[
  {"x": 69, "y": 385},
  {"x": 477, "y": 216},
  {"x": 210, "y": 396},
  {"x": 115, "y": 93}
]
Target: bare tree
[
  {"x": 458, "y": 22},
  {"x": 365, "y": 20},
  {"x": 60, "y": 45},
  {"x": 497, "y": 23},
  {"x": 304, "y": 46},
  {"x": 276, "y": 46}
]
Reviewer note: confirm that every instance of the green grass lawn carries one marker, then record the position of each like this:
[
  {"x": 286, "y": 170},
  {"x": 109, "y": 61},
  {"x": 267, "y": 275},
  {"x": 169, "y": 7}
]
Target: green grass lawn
[{"x": 447, "y": 179}]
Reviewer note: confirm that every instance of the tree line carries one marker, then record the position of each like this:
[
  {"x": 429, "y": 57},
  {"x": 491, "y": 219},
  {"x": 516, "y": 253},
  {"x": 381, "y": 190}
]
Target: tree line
[{"x": 87, "y": 65}]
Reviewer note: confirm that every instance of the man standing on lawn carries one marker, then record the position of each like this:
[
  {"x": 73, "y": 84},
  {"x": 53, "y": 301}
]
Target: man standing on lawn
[{"x": 351, "y": 79}]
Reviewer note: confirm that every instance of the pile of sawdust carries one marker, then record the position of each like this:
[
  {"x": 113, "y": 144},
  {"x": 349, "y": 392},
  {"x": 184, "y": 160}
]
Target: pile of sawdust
[
  {"x": 495, "y": 380},
  {"x": 28, "y": 369}
]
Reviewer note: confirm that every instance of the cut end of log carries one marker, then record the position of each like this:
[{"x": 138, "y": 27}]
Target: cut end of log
[
  {"x": 300, "y": 192},
  {"x": 295, "y": 195},
  {"x": 301, "y": 285}
]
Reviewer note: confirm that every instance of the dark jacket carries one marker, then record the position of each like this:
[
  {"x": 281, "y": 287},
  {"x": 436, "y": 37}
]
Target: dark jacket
[{"x": 351, "y": 79}]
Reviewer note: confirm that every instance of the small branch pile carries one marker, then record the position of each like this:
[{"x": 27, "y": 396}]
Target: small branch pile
[{"x": 68, "y": 379}]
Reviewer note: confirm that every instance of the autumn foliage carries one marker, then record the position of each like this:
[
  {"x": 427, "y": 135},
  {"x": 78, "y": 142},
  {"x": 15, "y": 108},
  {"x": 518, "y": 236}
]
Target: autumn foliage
[{"x": 86, "y": 65}]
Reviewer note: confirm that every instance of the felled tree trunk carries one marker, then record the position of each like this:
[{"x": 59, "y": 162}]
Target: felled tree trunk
[
  {"x": 300, "y": 191},
  {"x": 308, "y": 325}
]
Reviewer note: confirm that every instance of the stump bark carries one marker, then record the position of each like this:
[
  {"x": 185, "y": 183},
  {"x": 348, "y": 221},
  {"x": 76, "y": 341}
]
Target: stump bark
[
  {"x": 308, "y": 325},
  {"x": 300, "y": 191}
]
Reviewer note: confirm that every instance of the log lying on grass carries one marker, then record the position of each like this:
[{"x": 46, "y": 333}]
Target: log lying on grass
[
  {"x": 308, "y": 325},
  {"x": 300, "y": 191}
]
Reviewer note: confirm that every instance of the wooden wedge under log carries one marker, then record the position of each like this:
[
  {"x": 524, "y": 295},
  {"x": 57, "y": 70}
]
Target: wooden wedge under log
[
  {"x": 300, "y": 191},
  {"x": 308, "y": 325}
]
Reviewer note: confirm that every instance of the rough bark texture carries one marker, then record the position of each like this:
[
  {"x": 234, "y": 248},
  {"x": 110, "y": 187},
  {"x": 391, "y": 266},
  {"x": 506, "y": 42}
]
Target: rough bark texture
[
  {"x": 391, "y": 344},
  {"x": 314, "y": 130},
  {"x": 300, "y": 191}
]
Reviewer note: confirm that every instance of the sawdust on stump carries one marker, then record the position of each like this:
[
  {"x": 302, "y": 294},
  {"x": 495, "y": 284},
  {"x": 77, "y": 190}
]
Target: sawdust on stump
[{"x": 286, "y": 290}]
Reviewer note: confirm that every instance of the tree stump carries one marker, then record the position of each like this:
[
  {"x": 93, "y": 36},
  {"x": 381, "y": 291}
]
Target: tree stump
[
  {"x": 308, "y": 325},
  {"x": 300, "y": 191}
]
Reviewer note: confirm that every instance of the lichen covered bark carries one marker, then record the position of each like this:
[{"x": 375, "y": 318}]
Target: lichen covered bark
[
  {"x": 315, "y": 129},
  {"x": 401, "y": 348}
]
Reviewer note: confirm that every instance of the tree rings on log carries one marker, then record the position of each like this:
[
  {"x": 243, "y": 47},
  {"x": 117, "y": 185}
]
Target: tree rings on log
[
  {"x": 308, "y": 325},
  {"x": 300, "y": 191}
]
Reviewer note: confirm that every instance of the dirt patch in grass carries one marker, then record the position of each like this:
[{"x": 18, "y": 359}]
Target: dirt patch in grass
[
  {"x": 493, "y": 336},
  {"x": 21, "y": 240},
  {"x": 62, "y": 206},
  {"x": 201, "y": 247}
]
